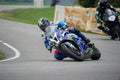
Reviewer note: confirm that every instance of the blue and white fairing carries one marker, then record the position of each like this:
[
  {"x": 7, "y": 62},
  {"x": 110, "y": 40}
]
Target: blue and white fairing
[{"x": 65, "y": 34}]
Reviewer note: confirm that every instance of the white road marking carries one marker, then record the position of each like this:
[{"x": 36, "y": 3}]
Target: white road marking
[{"x": 17, "y": 53}]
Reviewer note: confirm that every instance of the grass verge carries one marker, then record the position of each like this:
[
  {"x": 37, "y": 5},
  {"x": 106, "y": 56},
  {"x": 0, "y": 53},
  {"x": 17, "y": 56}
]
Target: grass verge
[
  {"x": 30, "y": 15},
  {"x": 2, "y": 55}
]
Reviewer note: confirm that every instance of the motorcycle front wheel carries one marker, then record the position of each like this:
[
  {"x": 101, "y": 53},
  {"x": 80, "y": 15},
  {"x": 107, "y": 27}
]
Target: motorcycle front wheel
[{"x": 72, "y": 52}]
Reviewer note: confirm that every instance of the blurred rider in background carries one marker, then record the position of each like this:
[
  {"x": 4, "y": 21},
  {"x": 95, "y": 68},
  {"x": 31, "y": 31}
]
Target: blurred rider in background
[{"x": 100, "y": 10}]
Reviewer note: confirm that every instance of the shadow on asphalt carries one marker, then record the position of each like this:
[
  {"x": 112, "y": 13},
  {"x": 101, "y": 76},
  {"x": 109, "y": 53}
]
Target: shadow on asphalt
[
  {"x": 105, "y": 39},
  {"x": 87, "y": 60},
  {"x": 109, "y": 39}
]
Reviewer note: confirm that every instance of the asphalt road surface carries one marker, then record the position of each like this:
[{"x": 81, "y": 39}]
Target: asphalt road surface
[
  {"x": 27, "y": 58},
  {"x": 9, "y": 7},
  {"x": 36, "y": 63}
]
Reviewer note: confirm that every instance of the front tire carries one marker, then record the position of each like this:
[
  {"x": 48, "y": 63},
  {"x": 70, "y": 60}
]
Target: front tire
[{"x": 74, "y": 54}]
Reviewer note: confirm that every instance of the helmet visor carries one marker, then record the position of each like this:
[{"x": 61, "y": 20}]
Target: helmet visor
[{"x": 42, "y": 27}]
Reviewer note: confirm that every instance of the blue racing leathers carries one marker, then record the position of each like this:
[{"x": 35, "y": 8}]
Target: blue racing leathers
[{"x": 77, "y": 32}]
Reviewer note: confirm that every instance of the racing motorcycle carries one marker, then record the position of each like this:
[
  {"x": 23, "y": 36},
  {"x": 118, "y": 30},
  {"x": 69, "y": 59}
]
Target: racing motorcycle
[
  {"x": 73, "y": 46},
  {"x": 111, "y": 23}
]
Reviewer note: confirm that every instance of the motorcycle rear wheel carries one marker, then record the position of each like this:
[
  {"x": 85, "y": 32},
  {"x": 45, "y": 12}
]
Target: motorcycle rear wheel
[
  {"x": 96, "y": 54},
  {"x": 117, "y": 29}
]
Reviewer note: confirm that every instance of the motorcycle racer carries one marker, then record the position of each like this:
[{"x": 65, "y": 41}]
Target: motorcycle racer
[{"x": 45, "y": 26}]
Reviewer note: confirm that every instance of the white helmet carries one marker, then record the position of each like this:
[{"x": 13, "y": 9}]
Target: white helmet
[{"x": 43, "y": 23}]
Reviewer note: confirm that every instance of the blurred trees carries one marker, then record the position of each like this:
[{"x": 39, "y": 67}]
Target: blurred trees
[
  {"x": 93, "y": 3},
  {"x": 16, "y": 0}
]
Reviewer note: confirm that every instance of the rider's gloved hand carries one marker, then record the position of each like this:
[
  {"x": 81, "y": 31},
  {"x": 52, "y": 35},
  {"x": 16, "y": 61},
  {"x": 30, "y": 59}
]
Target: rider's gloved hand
[
  {"x": 51, "y": 45},
  {"x": 49, "y": 48},
  {"x": 42, "y": 35}
]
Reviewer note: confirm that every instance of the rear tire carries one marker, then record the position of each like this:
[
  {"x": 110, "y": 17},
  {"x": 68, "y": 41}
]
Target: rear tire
[
  {"x": 96, "y": 54},
  {"x": 74, "y": 54},
  {"x": 117, "y": 29}
]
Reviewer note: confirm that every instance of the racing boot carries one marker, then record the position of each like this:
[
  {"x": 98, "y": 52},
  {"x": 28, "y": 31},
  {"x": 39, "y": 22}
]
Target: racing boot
[
  {"x": 113, "y": 37},
  {"x": 102, "y": 28},
  {"x": 90, "y": 45},
  {"x": 87, "y": 41}
]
